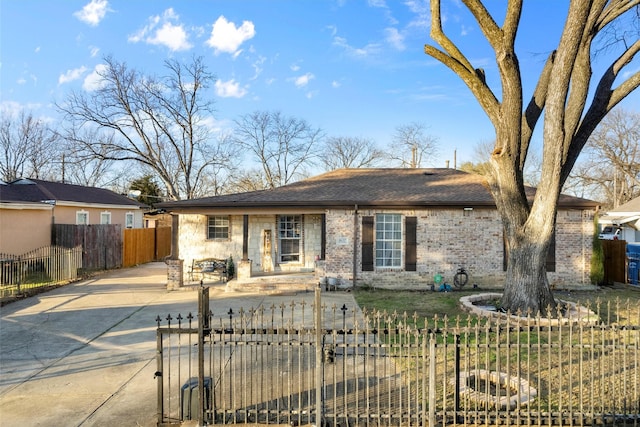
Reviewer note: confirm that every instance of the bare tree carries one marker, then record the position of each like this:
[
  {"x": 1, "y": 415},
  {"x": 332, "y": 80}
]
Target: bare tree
[
  {"x": 412, "y": 147},
  {"x": 28, "y": 147},
  {"x": 572, "y": 107},
  {"x": 349, "y": 152},
  {"x": 252, "y": 179},
  {"x": 161, "y": 123},
  {"x": 609, "y": 167},
  {"x": 282, "y": 146}
]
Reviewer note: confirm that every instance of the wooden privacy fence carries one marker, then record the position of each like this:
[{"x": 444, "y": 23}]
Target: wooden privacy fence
[
  {"x": 615, "y": 256},
  {"x": 142, "y": 245},
  {"x": 101, "y": 243},
  {"x": 37, "y": 269},
  {"x": 294, "y": 364}
]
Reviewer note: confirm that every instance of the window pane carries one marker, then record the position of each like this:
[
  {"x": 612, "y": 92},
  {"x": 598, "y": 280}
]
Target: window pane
[
  {"x": 388, "y": 240},
  {"x": 218, "y": 227},
  {"x": 289, "y": 232}
]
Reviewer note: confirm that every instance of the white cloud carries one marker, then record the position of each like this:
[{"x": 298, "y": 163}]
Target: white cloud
[
  {"x": 394, "y": 38},
  {"x": 226, "y": 37},
  {"x": 164, "y": 30},
  {"x": 257, "y": 66},
  {"x": 71, "y": 75},
  {"x": 335, "y": 84},
  {"x": 93, "y": 12},
  {"x": 294, "y": 67},
  {"x": 303, "y": 80},
  {"x": 93, "y": 51},
  {"x": 230, "y": 89},
  {"x": 94, "y": 80},
  {"x": 362, "y": 52}
]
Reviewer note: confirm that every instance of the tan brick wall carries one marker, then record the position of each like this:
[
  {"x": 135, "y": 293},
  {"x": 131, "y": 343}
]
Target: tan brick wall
[
  {"x": 448, "y": 238},
  {"x": 193, "y": 242}
]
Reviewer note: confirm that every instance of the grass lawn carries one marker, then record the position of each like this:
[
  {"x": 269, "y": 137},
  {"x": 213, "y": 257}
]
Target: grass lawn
[{"x": 611, "y": 300}]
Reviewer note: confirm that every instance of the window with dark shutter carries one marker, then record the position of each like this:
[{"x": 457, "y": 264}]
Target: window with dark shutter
[
  {"x": 410, "y": 257},
  {"x": 367, "y": 243}
]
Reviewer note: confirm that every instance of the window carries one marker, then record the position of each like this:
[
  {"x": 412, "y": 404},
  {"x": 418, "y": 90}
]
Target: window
[
  {"x": 289, "y": 234},
  {"x": 388, "y": 240},
  {"x": 82, "y": 218},
  {"x": 105, "y": 218},
  {"x": 218, "y": 227},
  {"x": 128, "y": 220}
]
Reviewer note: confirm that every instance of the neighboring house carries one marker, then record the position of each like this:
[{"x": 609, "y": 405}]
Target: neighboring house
[
  {"x": 627, "y": 218},
  {"x": 28, "y": 208},
  {"x": 379, "y": 227}
]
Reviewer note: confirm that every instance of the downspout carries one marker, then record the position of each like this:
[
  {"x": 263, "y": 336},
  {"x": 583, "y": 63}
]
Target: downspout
[{"x": 355, "y": 246}]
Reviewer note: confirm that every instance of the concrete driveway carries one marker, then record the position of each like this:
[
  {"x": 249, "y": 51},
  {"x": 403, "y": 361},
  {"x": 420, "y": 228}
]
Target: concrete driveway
[{"x": 84, "y": 354}]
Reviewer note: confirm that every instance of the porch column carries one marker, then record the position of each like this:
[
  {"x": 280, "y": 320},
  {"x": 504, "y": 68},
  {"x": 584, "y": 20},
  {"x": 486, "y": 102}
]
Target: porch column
[
  {"x": 175, "y": 265},
  {"x": 245, "y": 238},
  {"x": 244, "y": 266}
]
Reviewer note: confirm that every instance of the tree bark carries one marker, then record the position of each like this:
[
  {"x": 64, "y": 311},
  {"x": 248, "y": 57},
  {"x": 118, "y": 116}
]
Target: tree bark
[{"x": 562, "y": 93}]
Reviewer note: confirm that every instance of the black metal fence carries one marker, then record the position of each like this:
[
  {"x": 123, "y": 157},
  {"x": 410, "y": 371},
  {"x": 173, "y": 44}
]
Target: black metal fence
[
  {"x": 295, "y": 364},
  {"x": 40, "y": 268}
]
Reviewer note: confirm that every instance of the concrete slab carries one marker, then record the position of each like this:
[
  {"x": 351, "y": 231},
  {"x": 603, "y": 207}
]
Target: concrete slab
[{"x": 84, "y": 354}]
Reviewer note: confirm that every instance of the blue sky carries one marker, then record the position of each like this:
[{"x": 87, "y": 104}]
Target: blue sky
[{"x": 351, "y": 67}]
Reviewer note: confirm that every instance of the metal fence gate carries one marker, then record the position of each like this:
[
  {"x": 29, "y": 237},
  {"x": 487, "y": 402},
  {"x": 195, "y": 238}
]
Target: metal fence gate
[{"x": 294, "y": 364}]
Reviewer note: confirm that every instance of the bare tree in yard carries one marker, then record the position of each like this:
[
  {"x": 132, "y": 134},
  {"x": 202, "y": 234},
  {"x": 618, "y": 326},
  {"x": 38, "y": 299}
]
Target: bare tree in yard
[
  {"x": 28, "y": 147},
  {"x": 348, "y": 152},
  {"x": 161, "y": 123},
  {"x": 611, "y": 170},
  {"x": 412, "y": 147},
  {"x": 283, "y": 147},
  {"x": 80, "y": 165},
  {"x": 571, "y": 113}
]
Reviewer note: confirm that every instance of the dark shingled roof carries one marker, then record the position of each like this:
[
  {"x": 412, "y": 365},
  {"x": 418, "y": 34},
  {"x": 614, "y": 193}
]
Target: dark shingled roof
[
  {"x": 369, "y": 187},
  {"x": 37, "y": 190}
]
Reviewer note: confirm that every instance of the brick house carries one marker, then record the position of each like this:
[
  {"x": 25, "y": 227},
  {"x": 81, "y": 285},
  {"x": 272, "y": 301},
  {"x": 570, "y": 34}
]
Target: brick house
[{"x": 379, "y": 227}]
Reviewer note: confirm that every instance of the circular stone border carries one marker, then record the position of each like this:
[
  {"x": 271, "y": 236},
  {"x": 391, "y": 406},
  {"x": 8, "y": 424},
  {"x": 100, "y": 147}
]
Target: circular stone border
[
  {"x": 575, "y": 313},
  {"x": 523, "y": 393}
]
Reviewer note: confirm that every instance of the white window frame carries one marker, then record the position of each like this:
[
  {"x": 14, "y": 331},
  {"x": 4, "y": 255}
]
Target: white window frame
[
  {"x": 289, "y": 235},
  {"x": 218, "y": 227},
  {"x": 388, "y": 249},
  {"x": 82, "y": 214},
  {"x": 129, "y": 220},
  {"x": 105, "y": 218}
]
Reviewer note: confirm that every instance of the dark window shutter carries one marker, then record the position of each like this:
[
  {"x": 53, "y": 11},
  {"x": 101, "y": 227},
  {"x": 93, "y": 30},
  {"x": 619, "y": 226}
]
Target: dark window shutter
[
  {"x": 367, "y": 243},
  {"x": 410, "y": 257},
  {"x": 323, "y": 236}
]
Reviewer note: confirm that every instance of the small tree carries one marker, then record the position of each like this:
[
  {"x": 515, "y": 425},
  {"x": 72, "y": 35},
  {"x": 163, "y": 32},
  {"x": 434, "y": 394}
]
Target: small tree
[{"x": 149, "y": 189}]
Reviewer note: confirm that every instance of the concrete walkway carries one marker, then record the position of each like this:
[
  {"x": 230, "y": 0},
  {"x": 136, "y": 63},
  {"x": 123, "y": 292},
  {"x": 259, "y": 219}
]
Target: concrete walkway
[{"x": 84, "y": 354}]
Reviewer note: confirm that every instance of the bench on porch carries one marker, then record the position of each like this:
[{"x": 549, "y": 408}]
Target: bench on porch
[{"x": 208, "y": 266}]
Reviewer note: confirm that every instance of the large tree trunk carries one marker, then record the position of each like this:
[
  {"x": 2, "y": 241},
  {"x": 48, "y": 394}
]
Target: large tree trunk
[
  {"x": 528, "y": 228},
  {"x": 527, "y": 289}
]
